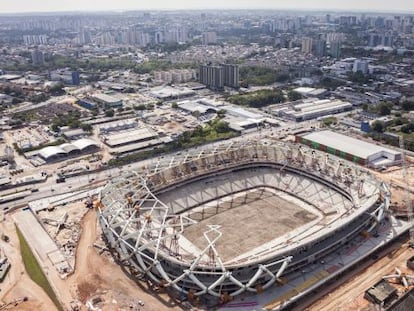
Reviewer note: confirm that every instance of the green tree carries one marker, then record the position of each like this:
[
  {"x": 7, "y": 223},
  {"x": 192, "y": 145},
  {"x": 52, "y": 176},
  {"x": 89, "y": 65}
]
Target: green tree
[
  {"x": 57, "y": 88},
  {"x": 293, "y": 95},
  {"x": 109, "y": 113},
  {"x": 222, "y": 127},
  {"x": 377, "y": 126},
  {"x": 364, "y": 107},
  {"x": 140, "y": 107},
  {"x": 384, "y": 109},
  {"x": 221, "y": 113},
  {"x": 86, "y": 127},
  {"x": 196, "y": 114},
  {"x": 407, "y": 106}
]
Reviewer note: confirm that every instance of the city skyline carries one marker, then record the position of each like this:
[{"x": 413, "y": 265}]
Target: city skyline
[{"x": 28, "y": 6}]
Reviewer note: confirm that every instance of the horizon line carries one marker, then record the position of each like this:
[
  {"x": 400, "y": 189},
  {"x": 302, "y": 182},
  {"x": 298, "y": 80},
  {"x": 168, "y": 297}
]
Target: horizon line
[{"x": 327, "y": 10}]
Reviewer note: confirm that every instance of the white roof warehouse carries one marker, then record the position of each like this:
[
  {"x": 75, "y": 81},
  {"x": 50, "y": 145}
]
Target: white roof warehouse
[{"x": 350, "y": 148}]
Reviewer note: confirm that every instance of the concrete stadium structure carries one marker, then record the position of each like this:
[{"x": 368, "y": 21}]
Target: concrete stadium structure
[{"x": 217, "y": 222}]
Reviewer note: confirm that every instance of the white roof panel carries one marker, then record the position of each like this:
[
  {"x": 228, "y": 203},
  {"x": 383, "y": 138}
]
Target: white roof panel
[
  {"x": 68, "y": 147},
  {"x": 84, "y": 143},
  {"x": 347, "y": 144},
  {"x": 50, "y": 151}
]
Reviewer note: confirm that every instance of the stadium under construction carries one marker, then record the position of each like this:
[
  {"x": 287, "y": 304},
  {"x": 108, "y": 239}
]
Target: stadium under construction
[{"x": 212, "y": 224}]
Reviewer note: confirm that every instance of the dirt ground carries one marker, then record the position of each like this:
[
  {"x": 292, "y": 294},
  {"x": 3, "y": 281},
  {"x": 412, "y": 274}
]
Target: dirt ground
[
  {"x": 96, "y": 276},
  {"x": 350, "y": 295},
  {"x": 17, "y": 283},
  {"x": 262, "y": 215}
]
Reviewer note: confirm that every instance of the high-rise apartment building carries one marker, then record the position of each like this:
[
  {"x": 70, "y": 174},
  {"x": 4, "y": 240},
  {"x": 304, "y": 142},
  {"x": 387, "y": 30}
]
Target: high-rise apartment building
[
  {"x": 216, "y": 77},
  {"x": 37, "y": 57},
  {"x": 231, "y": 75},
  {"x": 319, "y": 48},
  {"x": 360, "y": 65},
  {"x": 212, "y": 76},
  {"x": 209, "y": 38},
  {"x": 35, "y": 39},
  {"x": 307, "y": 45},
  {"x": 335, "y": 49}
]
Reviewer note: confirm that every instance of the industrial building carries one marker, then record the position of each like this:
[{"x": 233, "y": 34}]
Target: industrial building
[
  {"x": 117, "y": 126},
  {"x": 381, "y": 293},
  {"x": 170, "y": 92},
  {"x": 239, "y": 119},
  {"x": 107, "y": 101},
  {"x": 65, "y": 75},
  {"x": 310, "y": 91},
  {"x": 132, "y": 140},
  {"x": 83, "y": 145},
  {"x": 193, "y": 106},
  {"x": 311, "y": 108},
  {"x": 128, "y": 137},
  {"x": 352, "y": 149}
]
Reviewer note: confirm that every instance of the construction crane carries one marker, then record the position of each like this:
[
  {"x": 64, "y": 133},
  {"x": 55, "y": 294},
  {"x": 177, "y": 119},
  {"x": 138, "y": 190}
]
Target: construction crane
[{"x": 409, "y": 205}]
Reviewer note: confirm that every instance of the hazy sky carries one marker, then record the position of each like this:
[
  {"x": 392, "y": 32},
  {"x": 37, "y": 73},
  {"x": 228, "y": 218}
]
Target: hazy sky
[{"x": 7, "y": 6}]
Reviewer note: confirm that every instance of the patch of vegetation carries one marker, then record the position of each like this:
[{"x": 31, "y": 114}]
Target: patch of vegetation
[
  {"x": 34, "y": 270},
  {"x": 378, "y": 126},
  {"x": 96, "y": 65},
  {"x": 293, "y": 95},
  {"x": 212, "y": 131},
  {"x": 258, "y": 99},
  {"x": 382, "y": 109},
  {"x": 329, "y": 121},
  {"x": 71, "y": 119},
  {"x": 330, "y": 83},
  {"x": 254, "y": 75},
  {"x": 154, "y": 65},
  {"x": 407, "y": 106}
]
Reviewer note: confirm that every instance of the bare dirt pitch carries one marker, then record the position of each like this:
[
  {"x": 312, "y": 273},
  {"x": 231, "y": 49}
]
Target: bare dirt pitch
[{"x": 247, "y": 222}]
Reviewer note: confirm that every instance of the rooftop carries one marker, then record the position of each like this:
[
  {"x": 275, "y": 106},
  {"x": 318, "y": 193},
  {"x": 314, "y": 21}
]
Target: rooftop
[{"x": 347, "y": 144}]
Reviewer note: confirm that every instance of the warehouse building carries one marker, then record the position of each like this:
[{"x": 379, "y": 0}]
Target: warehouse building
[
  {"x": 133, "y": 140},
  {"x": 75, "y": 148},
  {"x": 351, "y": 149},
  {"x": 129, "y": 137},
  {"x": 312, "y": 109},
  {"x": 107, "y": 101}
]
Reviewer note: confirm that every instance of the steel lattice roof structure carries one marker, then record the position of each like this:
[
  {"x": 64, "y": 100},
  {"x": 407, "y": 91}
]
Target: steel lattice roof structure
[{"x": 148, "y": 233}]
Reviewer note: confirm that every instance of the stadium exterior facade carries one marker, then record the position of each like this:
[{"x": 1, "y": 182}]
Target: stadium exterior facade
[{"x": 147, "y": 232}]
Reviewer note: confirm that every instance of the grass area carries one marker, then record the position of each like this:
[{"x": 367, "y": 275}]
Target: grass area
[
  {"x": 329, "y": 121},
  {"x": 34, "y": 270}
]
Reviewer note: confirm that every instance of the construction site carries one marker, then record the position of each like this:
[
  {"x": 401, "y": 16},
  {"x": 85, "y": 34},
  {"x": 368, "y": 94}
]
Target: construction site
[
  {"x": 168, "y": 221},
  {"x": 242, "y": 226}
]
